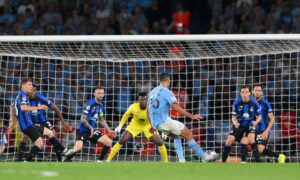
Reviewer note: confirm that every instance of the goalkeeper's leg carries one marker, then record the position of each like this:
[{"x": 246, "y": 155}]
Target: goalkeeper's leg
[
  {"x": 161, "y": 147},
  {"x": 116, "y": 148}
]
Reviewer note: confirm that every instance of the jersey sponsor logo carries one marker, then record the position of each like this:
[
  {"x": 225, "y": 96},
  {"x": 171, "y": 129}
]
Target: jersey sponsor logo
[
  {"x": 246, "y": 115},
  {"x": 85, "y": 111}
]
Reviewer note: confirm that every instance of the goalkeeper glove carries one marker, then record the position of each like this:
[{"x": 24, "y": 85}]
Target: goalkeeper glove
[{"x": 118, "y": 129}]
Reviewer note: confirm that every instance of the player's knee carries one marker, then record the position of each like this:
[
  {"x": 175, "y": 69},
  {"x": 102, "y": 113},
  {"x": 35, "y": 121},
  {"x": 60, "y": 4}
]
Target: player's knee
[
  {"x": 245, "y": 141},
  {"x": 230, "y": 140},
  {"x": 261, "y": 148},
  {"x": 108, "y": 142},
  {"x": 158, "y": 141},
  {"x": 48, "y": 132},
  {"x": 39, "y": 143},
  {"x": 78, "y": 146}
]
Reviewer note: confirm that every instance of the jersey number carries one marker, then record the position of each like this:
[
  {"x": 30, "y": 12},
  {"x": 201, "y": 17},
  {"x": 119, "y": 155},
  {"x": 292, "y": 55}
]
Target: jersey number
[{"x": 154, "y": 103}]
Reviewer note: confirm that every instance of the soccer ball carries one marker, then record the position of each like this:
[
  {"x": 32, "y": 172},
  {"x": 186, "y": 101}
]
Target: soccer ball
[{"x": 211, "y": 156}]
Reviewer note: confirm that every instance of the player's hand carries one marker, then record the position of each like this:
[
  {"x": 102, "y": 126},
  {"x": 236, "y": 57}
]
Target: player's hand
[
  {"x": 152, "y": 130},
  {"x": 236, "y": 125},
  {"x": 43, "y": 107},
  {"x": 265, "y": 135},
  {"x": 118, "y": 129},
  {"x": 197, "y": 117},
  {"x": 68, "y": 128},
  {"x": 9, "y": 130},
  {"x": 113, "y": 133},
  {"x": 254, "y": 123},
  {"x": 92, "y": 132}
]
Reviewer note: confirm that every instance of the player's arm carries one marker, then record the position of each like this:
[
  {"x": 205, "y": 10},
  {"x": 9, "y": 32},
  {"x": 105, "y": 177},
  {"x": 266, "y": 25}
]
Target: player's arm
[
  {"x": 235, "y": 121},
  {"x": 125, "y": 117},
  {"x": 234, "y": 115},
  {"x": 86, "y": 124},
  {"x": 258, "y": 115},
  {"x": 104, "y": 124},
  {"x": 33, "y": 108},
  {"x": 61, "y": 118},
  {"x": 183, "y": 112},
  {"x": 12, "y": 119}
]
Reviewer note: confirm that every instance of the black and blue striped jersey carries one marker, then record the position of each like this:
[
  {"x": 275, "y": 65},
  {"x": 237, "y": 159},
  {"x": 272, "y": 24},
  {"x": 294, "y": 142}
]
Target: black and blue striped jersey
[
  {"x": 93, "y": 111},
  {"x": 246, "y": 112},
  {"x": 39, "y": 116},
  {"x": 24, "y": 117},
  {"x": 265, "y": 110}
]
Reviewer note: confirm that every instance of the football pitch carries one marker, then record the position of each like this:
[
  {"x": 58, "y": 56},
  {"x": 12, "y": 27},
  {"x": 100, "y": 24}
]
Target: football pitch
[{"x": 148, "y": 170}]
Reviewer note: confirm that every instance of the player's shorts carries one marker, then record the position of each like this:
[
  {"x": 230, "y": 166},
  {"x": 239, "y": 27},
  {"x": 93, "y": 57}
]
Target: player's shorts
[
  {"x": 171, "y": 126},
  {"x": 136, "y": 130},
  {"x": 260, "y": 140},
  {"x": 47, "y": 125},
  {"x": 34, "y": 132},
  {"x": 240, "y": 132},
  {"x": 83, "y": 136}
]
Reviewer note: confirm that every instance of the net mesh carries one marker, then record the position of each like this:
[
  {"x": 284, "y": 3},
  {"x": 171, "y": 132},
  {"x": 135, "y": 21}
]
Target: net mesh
[{"x": 206, "y": 78}]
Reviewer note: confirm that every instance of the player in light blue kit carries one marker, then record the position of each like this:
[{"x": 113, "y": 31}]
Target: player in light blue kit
[{"x": 160, "y": 100}]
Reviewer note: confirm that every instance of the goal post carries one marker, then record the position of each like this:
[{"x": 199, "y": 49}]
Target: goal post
[{"x": 207, "y": 72}]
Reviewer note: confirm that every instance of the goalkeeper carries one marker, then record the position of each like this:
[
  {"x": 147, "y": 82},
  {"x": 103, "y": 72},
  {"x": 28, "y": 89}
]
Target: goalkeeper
[{"x": 139, "y": 124}]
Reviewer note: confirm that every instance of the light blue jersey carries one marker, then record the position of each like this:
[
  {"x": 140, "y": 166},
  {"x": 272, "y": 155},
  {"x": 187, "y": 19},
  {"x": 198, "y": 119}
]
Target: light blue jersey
[{"x": 160, "y": 100}]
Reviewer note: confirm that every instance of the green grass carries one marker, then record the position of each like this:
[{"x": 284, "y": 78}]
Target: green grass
[{"x": 144, "y": 171}]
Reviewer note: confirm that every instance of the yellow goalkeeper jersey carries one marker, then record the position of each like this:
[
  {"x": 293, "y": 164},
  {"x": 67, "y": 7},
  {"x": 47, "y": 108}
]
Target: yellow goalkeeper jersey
[{"x": 140, "y": 117}]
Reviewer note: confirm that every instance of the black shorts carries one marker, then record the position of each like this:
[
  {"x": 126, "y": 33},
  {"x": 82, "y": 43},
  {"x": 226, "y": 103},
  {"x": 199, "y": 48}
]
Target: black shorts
[
  {"x": 240, "y": 132},
  {"x": 47, "y": 125},
  {"x": 33, "y": 132},
  {"x": 83, "y": 136},
  {"x": 260, "y": 140}
]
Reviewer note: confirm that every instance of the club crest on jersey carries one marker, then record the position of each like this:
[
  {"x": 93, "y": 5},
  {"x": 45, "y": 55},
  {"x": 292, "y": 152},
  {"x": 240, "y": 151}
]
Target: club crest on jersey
[
  {"x": 88, "y": 107},
  {"x": 251, "y": 109}
]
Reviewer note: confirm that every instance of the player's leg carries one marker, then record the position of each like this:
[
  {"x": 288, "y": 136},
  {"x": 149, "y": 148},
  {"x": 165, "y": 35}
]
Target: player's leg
[
  {"x": 107, "y": 143},
  {"x": 58, "y": 147},
  {"x": 80, "y": 137},
  {"x": 178, "y": 147},
  {"x": 244, "y": 150},
  {"x": 22, "y": 147},
  {"x": 35, "y": 137},
  {"x": 116, "y": 148},
  {"x": 236, "y": 134},
  {"x": 155, "y": 138},
  {"x": 251, "y": 137},
  {"x": 177, "y": 128},
  {"x": 262, "y": 149},
  {"x": 72, "y": 152}
]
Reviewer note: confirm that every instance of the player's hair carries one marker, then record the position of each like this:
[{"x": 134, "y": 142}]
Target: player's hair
[
  {"x": 245, "y": 87},
  {"x": 142, "y": 94},
  {"x": 164, "y": 77},
  {"x": 258, "y": 85},
  {"x": 24, "y": 81},
  {"x": 100, "y": 88}
]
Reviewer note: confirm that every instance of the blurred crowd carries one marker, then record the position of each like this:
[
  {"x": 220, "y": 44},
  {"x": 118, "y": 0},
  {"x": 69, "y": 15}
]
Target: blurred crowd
[{"x": 107, "y": 17}]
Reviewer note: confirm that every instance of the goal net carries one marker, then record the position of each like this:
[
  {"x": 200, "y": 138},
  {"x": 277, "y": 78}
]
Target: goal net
[{"x": 207, "y": 72}]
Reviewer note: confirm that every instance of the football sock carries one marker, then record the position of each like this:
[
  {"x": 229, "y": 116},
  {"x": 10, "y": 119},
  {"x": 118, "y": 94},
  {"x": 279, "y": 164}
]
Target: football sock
[
  {"x": 32, "y": 153},
  {"x": 195, "y": 147},
  {"x": 270, "y": 153},
  {"x": 178, "y": 148},
  {"x": 225, "y": 153},
  {"x": 244, "y": 152},
  {"x": 255, "y": 152},
  {"x": 163, "y": 152},
  {"x": 22, "y": 149},
  {"x": 114, "y": 150},
  {"x": 104, "y": 152}
]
